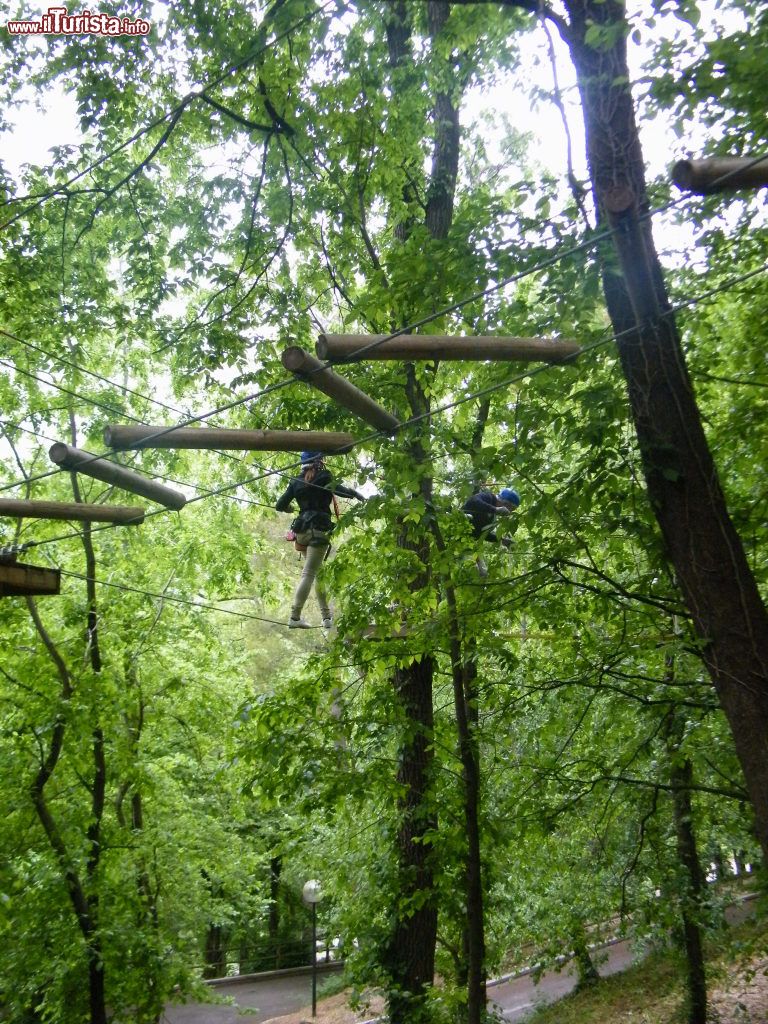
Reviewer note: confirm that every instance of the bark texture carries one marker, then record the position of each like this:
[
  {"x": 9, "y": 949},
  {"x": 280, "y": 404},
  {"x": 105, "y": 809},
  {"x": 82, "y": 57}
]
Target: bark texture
[
  {"x": 410, "y": 957},
  {"x": 464, "y": 677},
  {"x": 681, "y": 777},
  {"x": 410, "y": 954},
  {"x": 701, "y": 541}
]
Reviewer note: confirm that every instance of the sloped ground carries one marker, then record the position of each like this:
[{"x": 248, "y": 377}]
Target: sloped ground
[
  {"x": 334, "y": 1010},
  {"x": 738, "y": 1001},
  {"x": 743, "y": 1002},
  {"x": 648, "y": 993}
]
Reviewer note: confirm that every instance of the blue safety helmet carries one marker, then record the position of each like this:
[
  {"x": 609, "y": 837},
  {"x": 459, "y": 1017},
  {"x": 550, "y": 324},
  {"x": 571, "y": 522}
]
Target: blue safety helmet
[
  {"x": 510, "y": 495},
  {"x": 308, "y": 457}
]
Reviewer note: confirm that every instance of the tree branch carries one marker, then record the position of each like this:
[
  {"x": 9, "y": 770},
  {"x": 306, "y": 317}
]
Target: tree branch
[{"x": 238, "y": 118}]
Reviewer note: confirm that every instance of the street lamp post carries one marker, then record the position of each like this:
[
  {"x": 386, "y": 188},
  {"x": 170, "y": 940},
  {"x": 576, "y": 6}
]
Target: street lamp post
[{"x": 312, "y": 895}]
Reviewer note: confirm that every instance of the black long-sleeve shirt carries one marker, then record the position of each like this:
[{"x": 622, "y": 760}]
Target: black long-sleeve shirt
[
  {"x": 314, "y": 496},
  {"x": 482, "y": 509}
]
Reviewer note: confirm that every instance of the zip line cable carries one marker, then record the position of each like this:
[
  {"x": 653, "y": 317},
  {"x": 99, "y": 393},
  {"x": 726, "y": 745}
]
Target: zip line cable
[
  {"x": 279, "y": 385},
  {"x": 555, "y": 258},
  {"x": 152, "y": 476},
  {"x": 104, "y": 380},
  {"x": 472, "y": 396},
  {"x": 172, "y": 116},
  {"x": 90, "y": 373},
  {"x": 68, "y": 391},
  {"x": 177, "y": 600}
]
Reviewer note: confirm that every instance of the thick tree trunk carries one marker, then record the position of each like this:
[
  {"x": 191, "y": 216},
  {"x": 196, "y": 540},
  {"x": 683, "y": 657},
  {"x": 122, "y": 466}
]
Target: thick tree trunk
[
  {"x": 410, "y": 955},
  {"x": 702, "y": 544},
  {"x": 681, "y": 777},
  {"x": 464, "y": 675}
]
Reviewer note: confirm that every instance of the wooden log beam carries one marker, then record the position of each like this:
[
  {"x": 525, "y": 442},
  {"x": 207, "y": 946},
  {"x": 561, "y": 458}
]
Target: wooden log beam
[
  {"x": 720, "y": 174},
  {"x": 128, "y": 515},
  {"x": 67, "y": 457},
  {"x": 342, "y": 348},
  {"x": 228, "y": 440},
  {"x": 307, "y": 368},
  {"x": 20, "y": 580}
]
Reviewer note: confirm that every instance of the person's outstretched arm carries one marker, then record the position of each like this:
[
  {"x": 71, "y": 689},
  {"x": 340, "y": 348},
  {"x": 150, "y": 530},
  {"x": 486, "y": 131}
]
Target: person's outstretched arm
[
  {"x": 347, "y": 492},
  {"x": 283, "y": 503}
]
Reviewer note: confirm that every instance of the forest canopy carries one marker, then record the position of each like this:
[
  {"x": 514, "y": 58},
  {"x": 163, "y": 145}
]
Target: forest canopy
[{"x": 500, "y": 743}]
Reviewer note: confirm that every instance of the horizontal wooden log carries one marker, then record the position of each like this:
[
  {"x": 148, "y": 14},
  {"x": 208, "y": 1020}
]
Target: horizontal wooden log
[
  {"x": 227, "y": 440},
  {"x": 20, "y": 580},
  {"x": 17, "y": 509},
  {"x": 305, "y": 366},
  {"x": 343, "y": 348},
  {"x": 79, "y": 461},
  {"x": 720, "y": 174}
]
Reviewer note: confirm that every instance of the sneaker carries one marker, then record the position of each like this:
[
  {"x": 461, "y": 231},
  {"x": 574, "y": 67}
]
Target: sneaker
[
  {"x": 298, "y": 624},
  {"x": 327, "y": 622}
]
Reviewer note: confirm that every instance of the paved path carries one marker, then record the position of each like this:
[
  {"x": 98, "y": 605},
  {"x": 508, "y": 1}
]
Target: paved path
[
  {"x": 514, "y": 999},
  {"x": 266, "y": 997},
  {"x": 273, "y": 996},
  {"x": 518, "y": 996}
]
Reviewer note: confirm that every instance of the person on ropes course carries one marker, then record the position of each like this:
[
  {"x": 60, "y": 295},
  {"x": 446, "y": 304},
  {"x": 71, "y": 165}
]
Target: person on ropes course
[
  {"x": 482, "y": 509},
  {"x": 313, "y": 491}
]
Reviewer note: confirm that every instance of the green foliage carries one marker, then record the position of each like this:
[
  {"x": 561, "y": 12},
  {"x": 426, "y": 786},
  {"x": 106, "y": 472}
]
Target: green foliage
[{"x": 153, "y": 290}]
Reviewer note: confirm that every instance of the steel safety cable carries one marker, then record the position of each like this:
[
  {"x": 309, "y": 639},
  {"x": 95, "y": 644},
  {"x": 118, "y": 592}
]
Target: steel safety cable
[{"x": 472, "y": 396}]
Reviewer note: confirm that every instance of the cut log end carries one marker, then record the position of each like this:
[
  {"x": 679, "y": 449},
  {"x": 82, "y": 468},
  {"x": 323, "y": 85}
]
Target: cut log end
[{"x": 294, "y": 359}]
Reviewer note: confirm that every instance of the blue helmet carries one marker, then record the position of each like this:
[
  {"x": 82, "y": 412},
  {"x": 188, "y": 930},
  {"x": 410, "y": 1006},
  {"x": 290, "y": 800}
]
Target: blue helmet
[
  {"x": 309, "y": 457},
  {"x": 510, "y": 495}
]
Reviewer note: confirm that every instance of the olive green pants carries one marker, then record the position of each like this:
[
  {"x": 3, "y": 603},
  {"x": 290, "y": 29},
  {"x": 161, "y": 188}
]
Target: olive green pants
[{"x": 313, "y": 559}]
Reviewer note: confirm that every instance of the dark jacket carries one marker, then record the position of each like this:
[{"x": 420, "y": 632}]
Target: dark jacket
[
  {"x": 481, "y": 509},
  {"x": 314, "y": 499}
]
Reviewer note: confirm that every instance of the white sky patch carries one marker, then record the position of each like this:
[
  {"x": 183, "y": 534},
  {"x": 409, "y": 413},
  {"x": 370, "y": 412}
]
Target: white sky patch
[
  {"x": 47, "y": 120},
  {"x": 42, "y": 122}
]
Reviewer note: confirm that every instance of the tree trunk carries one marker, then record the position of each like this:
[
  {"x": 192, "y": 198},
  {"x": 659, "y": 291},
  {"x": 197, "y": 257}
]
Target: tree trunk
[
  {"x": 588, "y": 974},
  {"x": 464, "y": 675},
  {"x": 96, "y": 982},
  {"x": 410, "y": 953},
  {"x": 681, "y": 777},
  {"x": 83, "y": 893},
  {"x": 275, "y": 870},
  {"x": 410, "y": 956},
  {"x": 215, "y": 953},
  {"x": 702, "y": 544}
]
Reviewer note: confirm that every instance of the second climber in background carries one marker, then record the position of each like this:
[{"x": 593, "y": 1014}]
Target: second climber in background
[
  {"x": 482, "y": 509},
  {"x": 313, "y": 492}
]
